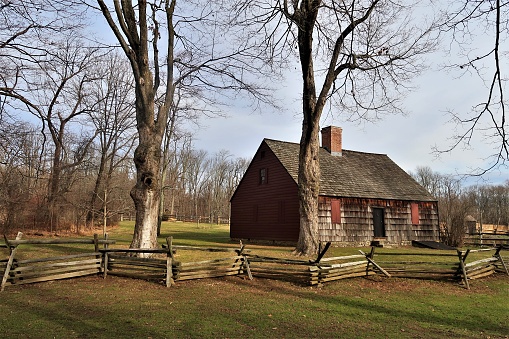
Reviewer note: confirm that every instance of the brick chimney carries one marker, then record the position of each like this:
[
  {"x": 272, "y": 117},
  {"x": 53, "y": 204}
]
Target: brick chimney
[{"x": 332, "y": 139}]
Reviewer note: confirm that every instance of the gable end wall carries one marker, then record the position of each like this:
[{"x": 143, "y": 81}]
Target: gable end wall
[{"x": 265, "y": 211}]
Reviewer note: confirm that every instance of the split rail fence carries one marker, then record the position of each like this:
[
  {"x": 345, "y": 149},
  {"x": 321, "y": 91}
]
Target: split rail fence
[
  {"x": 446, "y": 265},
  {"x": 169, "y": 269},
  {"x": 487, "y": 238},
  {"x": 18, "y": 272},
  {"x": 163, "y": 267},
  {"x": 314, "y": 272}
]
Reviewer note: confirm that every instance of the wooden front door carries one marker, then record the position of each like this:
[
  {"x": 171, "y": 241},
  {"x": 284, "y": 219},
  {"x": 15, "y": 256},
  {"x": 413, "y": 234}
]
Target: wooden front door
[{"x": 378, "y": 222}]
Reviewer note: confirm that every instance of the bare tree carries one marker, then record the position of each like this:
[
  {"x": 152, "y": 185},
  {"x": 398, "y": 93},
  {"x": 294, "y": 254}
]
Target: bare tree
[
  {"x": 482, "y": 21},
  {"x": 453, "y": 205},
  {"x": 428, "y": 179},
  {"x": 490, "y": 203},
  {"x": 196, "y": 177},
  {"x": 185, "y": 108},
  {"x": 453, "y": 209},
  {"x": 218, "y": 182},
  {"x": 53, "y": 88},
  {"x": 28, "y": 31},
  {"x": 61, "y": 104},
  {"x": 354, "y": 55},
  {"x": 19, "y": 169},
  {"x": 178, "y": 156},
  {"x": 114, "y": 119},
  {"x": 195, "y": 54}
]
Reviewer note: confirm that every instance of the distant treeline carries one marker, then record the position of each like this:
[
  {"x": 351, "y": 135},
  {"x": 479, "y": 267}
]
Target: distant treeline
[{"x": 459, "y": 204}]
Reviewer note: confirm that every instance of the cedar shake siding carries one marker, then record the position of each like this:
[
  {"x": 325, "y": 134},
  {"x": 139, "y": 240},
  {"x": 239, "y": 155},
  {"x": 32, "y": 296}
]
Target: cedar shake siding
[
  {"x": 363, "y": 197},
  {"x": 356, "y": 228}
]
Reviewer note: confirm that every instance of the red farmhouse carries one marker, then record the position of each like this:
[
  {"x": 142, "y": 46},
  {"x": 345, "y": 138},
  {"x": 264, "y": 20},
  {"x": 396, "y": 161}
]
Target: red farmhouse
[{"x": 364, "y": 197}]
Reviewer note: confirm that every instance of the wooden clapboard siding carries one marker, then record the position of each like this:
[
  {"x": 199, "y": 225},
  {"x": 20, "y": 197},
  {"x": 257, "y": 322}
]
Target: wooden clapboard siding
[{"x": 265, "y": 211}]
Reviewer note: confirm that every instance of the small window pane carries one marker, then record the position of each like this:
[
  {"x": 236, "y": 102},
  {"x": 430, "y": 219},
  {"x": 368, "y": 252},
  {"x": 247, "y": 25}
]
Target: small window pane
[{"x": 263, "y": 176}]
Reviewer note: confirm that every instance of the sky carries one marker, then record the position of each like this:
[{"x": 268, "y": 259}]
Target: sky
[{"x": 407, "y": 139}]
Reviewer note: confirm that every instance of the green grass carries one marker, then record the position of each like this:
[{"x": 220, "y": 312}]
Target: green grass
[{"x": 235, "y": 307}]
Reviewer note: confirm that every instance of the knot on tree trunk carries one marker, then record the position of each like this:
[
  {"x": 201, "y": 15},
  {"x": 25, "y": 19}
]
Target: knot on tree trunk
[{"x": 147, "y": 179}]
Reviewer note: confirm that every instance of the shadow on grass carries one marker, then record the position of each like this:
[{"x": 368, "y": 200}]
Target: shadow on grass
[
  {"x": 439, "y": 312},
  {"x": 199, "y": 235},
  {"x": 47, "y": 312}
]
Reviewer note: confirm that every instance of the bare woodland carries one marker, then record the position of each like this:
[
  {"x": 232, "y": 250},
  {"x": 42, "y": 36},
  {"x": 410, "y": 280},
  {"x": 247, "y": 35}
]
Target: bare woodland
[
  {"x": 487, "y": 204},
  {"x": 67, "y": 159},
  {"x": 94, "y": 129}
]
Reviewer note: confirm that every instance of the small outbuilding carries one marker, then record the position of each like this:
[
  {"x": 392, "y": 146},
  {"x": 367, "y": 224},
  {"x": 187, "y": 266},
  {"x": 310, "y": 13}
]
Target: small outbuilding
[{"x": 364, "y": 197}]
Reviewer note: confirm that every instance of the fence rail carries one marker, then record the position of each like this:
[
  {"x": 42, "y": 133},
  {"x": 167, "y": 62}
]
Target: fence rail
[
  {"x": 335, "y": 268},
  {"x": 183, "y": 218},
  {"x": 487, "y": 238},
  {"x": 167, "y": 269},
  {"x": 18, "y": 272}
]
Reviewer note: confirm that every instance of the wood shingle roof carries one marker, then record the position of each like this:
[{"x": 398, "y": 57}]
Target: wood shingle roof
[{"x": 354, "y": 174}]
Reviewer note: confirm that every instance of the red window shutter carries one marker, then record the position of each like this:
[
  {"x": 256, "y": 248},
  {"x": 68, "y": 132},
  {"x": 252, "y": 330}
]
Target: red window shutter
[
  {"x": 336, "y": 211},
  {"x": 415, "y": 213}
]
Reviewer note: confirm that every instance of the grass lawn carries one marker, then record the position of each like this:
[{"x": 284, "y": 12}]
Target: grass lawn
[{"x": 235, "y": 307}]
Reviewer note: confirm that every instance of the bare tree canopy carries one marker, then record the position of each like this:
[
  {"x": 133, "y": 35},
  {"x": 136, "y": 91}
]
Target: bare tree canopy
[
  {"x": 28, "y": 30},
  {"x": 479, "y": 31},
  {"x": 356, "y": 56},
  {"x": 197, "y": 53}
]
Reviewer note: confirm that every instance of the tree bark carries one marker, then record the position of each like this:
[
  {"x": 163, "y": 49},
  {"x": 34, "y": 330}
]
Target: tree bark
[
  {"x": 145, "y": 193},
  {"x": 90, "y": 218},
  {"x": 309, "y": 166},
  {"x": 147, "y": 159},
  {"x": 309, "y": 187}
]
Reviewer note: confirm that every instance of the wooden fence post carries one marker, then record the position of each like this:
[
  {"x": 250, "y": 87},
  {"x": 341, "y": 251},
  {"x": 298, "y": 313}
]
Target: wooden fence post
[
  {"x": 105, "y": 257},
  {"x": 499, "y": 257},
  {"x": 371, "y": 255},
  {"x": 96, "y": 243},
  {"x": 169, "y": 263},
  {"x": 462, "y": 259},
  {"x": 11, "y": 259},
  {"x": 321, "y": 252},
  {"x": 245, "y": 260},
  {"x": 375, "y": 264}
]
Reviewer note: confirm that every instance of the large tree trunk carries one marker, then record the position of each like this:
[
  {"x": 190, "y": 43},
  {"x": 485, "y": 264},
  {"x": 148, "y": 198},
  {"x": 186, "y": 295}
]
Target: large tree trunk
[
  {"x": 309, "y": 186},
  {"x": 145, "y": 193},
  {"x": 309, "y": 166},
  {"x": 147, "y": 159}
]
